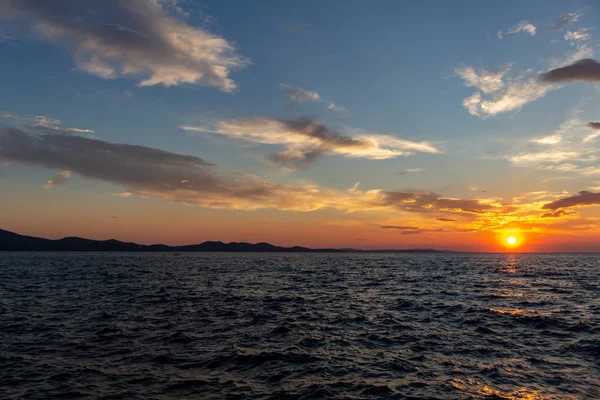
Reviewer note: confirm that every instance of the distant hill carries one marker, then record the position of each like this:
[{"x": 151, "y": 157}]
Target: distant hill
[{"x": 10, "y": 241}]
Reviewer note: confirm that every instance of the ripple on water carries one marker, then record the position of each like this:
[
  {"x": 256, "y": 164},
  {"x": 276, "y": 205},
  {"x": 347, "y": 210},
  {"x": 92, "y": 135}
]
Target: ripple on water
[{"x": 269, "y": 326}]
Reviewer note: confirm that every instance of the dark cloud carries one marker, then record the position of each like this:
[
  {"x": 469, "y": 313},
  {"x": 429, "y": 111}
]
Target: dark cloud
[
  {"x": 558, "y": 213},
  {"x": 447, "y": 220},
  {"x": 136, "y": 167},
  {"x": 312, "y": 129},
  {"x": 584, "y": 198},
  {"x": 293, "y": 160},
  {"x": 427, "y": 201},
  {"x": 401, "y": 228},
  {"x": 138, "y": 38},
  {"x": 586, "y": 70},
  {"x": 185, "y": 178},
  {"x": 594, "y": 125}
]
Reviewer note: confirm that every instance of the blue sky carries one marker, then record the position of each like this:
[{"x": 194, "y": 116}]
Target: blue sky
[{"x": 438, "y": 98}]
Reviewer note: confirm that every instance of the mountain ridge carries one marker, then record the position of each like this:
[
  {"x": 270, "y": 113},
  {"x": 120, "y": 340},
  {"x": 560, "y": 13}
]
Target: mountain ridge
[{"x": 10, "y": 241}]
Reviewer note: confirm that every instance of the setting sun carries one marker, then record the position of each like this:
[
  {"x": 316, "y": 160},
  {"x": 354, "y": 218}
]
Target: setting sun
[{"x": 511, "y": 240}]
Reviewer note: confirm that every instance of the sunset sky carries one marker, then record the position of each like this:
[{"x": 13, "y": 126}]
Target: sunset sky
[{"x": 371, "y": 125}]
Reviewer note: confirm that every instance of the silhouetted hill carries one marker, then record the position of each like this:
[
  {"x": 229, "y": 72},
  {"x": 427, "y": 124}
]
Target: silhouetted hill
[{"x": 10, "y": 241}]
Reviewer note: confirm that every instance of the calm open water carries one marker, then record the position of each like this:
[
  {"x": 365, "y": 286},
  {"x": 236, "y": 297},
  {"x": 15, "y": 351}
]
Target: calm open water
[{"x": 268, "y": 326}]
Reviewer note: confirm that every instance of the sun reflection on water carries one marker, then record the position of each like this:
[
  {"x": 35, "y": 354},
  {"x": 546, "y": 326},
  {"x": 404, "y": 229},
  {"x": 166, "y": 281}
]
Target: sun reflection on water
[{"x": 478, "y": 390}]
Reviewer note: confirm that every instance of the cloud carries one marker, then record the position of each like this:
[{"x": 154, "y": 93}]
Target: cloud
[
  {"x": 411, "y": 230},
  {"x": 499, "y": 34},
  {"x": 41, "y": 123},
  {"x": 553, "y": 139},
  {"x": 558, "y": 213},
  {"x": 133, "y": 38},
  {"x": 596, "y": 127},
  {"x": 523, "y": 26},
  {"x": 565, "y": 20},
  {"x": 59, "y": 179},
  {"x": 427, "y": 201},
  {"x": 577, "y": 35},
  {"x": 148, "y": 172},
  {"x": 506, "y": 93},
  {"x": 336, "y": 107},
  {"x": 306, "y": 140},
  {"x": 299, "y": 95},
  {"x": 584, "y": 198},
  {"x": 487, "y": 82},
  {"x": 446, "y": 219},
  {"x": 515, "y": 94},
  {"x": 553, "y": 157},
  {"x": 408, "y": 171},
  {"x": 123, "y": 194},
  {"x": 587, "y": 70}
]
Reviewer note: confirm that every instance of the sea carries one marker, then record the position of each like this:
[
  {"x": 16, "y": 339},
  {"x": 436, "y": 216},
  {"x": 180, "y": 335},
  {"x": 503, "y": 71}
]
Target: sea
[{"x": 299, "y": 326}]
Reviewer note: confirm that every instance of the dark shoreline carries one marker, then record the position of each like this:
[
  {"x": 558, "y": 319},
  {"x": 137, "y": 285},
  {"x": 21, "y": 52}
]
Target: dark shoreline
[{"x": 10, "y": 241}]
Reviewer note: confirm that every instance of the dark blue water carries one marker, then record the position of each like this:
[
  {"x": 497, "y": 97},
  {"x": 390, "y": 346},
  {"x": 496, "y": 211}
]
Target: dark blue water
[{"x": 157, "y": 326}]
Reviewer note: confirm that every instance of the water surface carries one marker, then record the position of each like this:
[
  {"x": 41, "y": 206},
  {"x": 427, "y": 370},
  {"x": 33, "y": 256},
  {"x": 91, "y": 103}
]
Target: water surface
[{"x": 267, "y": 326}]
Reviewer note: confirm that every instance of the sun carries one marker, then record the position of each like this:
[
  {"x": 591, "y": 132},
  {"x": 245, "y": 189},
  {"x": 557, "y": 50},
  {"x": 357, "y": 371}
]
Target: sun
[{"x": 511, "y": 240}]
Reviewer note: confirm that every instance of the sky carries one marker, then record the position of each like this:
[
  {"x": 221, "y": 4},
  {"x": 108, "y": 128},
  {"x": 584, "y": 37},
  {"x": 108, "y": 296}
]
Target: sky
[{"x": 352, "y": 124}]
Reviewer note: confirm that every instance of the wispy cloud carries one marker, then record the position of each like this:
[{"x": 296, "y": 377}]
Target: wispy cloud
[
  {"x": 577, "y": 35},
  {"x": 336, "y": 107},
  {"x": 523, "y": 26},
  {"x": 550, "y": 157},
  {"x": 59, "y": 179},
  {"x": 42, "y": 123},
  {"x": 408, "y": 171},
  {"x": 299, "y": 95},
  {"x": 516, "y": 93},
  {"x": 148, "y": 43},
  {"x": 553, "y": 139},
  {"x": 486, "y": 81},
  {"x": 411, "y": 230},
  {"x": 565, "y": 20},
  {"x": 569, "y": 151},
  {"x": 505, "y": 93},
  {"x": 306, "y": 140}
]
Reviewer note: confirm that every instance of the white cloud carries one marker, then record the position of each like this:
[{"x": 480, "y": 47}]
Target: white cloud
[
  {"x": 552, "y": 157},
  {"x": 499, "y": 34},
  {"x": 509, "y": 93},
  {"x": 336, "y": 107},
  {"x": 553, "y": 139},
  {"x": 147, "y": 44},
  {"x": 577, "y": 35},
  {"x": 487, "y": 82},
  {"x": 523, "y": 26},
  {"x": 42, "y": 123},
  {"x": 299, "y": 95},
  {"x": 515, "y": 94},
  {"x": 306, "y": 140}
]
